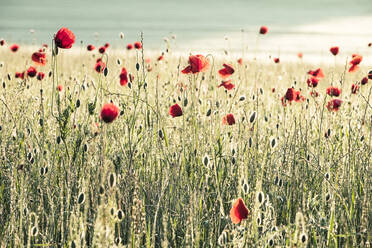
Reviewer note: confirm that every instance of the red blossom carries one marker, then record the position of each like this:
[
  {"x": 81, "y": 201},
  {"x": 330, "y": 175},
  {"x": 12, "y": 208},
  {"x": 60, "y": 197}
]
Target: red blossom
[
  {"x": 299, "y": 55},
  {"x": 277, "y": 60},
  {"x": 64, "y": 38},
  {"x": 263, "y": 30},
  {"x": 227, "y": 85},
  {"x": 14, "y": 48},
  {"x": 109, "y": 112},
  {"x": 107, "y": 45},
  {"x": 334, "y": 50},
  {"x": 100, "y": 66},
  {"x": 20, "y": 75},
  {"x": 228, "y": 120},
  {"x": 334, "y": 105},
  {"x": 40, "y": 75},
  {"x": 312, "y": 82},
  {"x": 31, "y": 72},
  {"x": 318, "y": 73},
  {"x": 102, "y": 49},
  {"x": 2, "y": 42},
  {"x": 129, "y": 46},
  {"x": 240, "y": 61},
  {"x": 59, "y": 88},
  {"x": 354, "y": 88},
  {"x": 138, "y": 45},
  {"x": 364, "y": 80},
  {"x": 227, "y": 71},
  {"x": 123, "y": 77},
  {"x": 197, "y": 63},
  {"x": 238, "y": 211},
  {"x": 39, "y": 58},
  {"x": 90, "y": 47},
  {"x": 333, "y": 91},
  {"x": 175, "y": 110}
]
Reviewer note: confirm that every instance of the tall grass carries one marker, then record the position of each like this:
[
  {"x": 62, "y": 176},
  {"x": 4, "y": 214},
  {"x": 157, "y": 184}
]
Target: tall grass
[{"x": 148, "y": 180}]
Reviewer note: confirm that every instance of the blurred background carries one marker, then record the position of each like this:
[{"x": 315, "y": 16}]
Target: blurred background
[{"x": 310, "y": 26}]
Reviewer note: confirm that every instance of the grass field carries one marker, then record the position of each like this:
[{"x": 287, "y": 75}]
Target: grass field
[{"x": 68, "y": 179}]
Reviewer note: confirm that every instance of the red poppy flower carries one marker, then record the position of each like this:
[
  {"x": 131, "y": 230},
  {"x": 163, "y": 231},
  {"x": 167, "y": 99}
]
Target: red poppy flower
[
  {"x": 14, "y": 48},
  {"x": 334, "y": 105},
  {"x": 160, "y": 57},
  {"x": 64, "y": 38},
  {"x": 175, "y": 110},
  {"x": 59, "y": 88},
  {"x": 40, "y": 76},
  {"x": 299, "y": 55},
  {"x": 31, "y": 72},
  {"x": 197, "y": 63},
  {"x": 356, "y": 59},
  {"x": 298, "y": 97},
  {"x": 364, "y": 80},
  {"x": 90, "y": 47},
  {"x": 123, "y": 77},
  {"x": 100, "y": 66},
  {"x": 354, "y": 88},
  {"x": 318, "y": 73},
  {"x": 290, "y": 94},
  {"x": 238, "y": 211},
  {"x": 109, "y": 112},
  {"x": 227, "y": 71},
  {"x": 370, "y": 74},
  {"x": 370, "y": 44},
  {"x": 20, "y": 75},
  {"x": 314, "y": 94},
  {"x": 263, "y": 30},
  {"x": 2, "y": 42},
  {"x": 334, "y": 50},
  {"x": 333, "y": 91},
  {"x": 227, "y": 85},
  {"x": 312, "y": 82},
  {"x": 102, "y": 49},
  {"x": 138, "y": 45},
  {"x": 273, "y": 90},
  {"x": 276, "y": 60},
  {"x": 240, "y": 61},
  {"x": 129, "y": 46},
  {"x": 107, "y": 45},
  {"x": 39, "y": 58},
  {"x": 228, "y": 120}
]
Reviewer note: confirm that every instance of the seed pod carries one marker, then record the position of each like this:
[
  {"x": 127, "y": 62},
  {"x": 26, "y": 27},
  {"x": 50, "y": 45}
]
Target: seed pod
[
  {"x": 118, "y": 61},
  {"x": 273, "y": 143},
  {"x": 85, "y": 147},
  {"x": 185, "y": 102},
  {"x": 4, "y": 85},
  {"x": 112, "y": 180},
  {"x": 34, "y": 231},
  {"x": 206, "y": 160},
  {"x": 77, "y": 103},
  {"x": 81, "y": 198},
  {"x": 250, "y": 142},
  {"x": 101, "y": 190},
  {"x": 120, "y": 214},
  {"x": 145, "y": 85},
  {"x": 209, "y": 112},
  {"x": 105, "y": 71},
  {"x": 242, "y": 98},
  {"x": 58, "y": 139},
  {"x": 41, "y": 122},
  {"x": 161, "y": 136},
  {"x": 137, "y": 66},
  {"x": 303, "y": 238},
  {"x": 260, "y": 197},
  {"x": 253, "y": 117}
]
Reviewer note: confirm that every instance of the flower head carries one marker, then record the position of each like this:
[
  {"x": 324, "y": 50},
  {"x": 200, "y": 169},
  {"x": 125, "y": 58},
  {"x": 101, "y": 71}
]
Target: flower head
[
  {"x": 175, "y": 110},
  {"x": 238, "y": 211},
  {"x": 64, "y": 38},
  {"x": 197, "y": 63},
  {"x": 109, "y": 112}
]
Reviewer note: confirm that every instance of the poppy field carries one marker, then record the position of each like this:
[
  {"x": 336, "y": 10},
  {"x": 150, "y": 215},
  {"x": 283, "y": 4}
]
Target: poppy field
[{"x": 125, "y": 147}]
